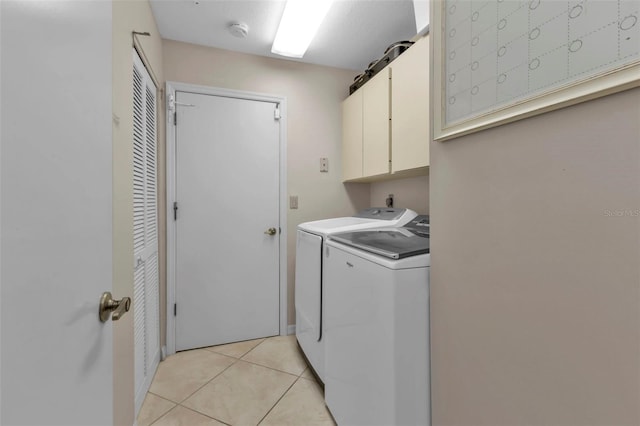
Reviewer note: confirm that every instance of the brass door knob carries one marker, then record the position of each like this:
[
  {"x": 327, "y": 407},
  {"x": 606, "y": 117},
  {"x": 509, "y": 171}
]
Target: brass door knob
[
  {"x": 108, "y": 306},
  {"x": 271, "y": 231}
]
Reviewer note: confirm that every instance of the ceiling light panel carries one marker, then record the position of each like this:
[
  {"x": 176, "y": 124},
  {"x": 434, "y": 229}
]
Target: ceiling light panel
[{"x": 300, "y": 22}]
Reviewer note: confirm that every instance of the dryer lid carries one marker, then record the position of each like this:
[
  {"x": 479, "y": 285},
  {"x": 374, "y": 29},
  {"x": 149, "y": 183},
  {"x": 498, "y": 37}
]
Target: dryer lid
[{"x": 374, "y": 217}]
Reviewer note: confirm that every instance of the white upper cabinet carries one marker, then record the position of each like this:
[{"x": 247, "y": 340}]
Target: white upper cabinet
[
  {"x": 385, "y": 133},
  {"x": 365, "y": 130},
  {"x": 410, "y": 108},
  {"x": 376, "y": 150},
  {"x": 352, "y": 137}
]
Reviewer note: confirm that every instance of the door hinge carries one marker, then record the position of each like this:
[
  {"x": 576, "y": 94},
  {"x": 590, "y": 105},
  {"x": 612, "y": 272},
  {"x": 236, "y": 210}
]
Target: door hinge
[
  {"x": 175, "y": 118},
  {"x": 276, "y": 113},
  {"x": 175, "y": 309},
  {"x": 175, "y": 210}
]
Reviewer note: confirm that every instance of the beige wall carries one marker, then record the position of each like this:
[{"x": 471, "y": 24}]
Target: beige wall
[
  {"x": 411, "y": 193},
  {"x": 128, "y": 16},
  {"x": 313, "y": 97},
  {"x": 535, "y": 307}
]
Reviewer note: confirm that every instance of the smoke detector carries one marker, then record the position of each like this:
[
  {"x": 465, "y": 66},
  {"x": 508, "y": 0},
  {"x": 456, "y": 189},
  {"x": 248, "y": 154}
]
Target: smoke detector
[{"x": 239, "y": 29}]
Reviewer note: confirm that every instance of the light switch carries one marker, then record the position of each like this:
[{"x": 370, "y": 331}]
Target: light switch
[
  {"x": 324, "y": 164},
  {"x": 293, "y": 202}
]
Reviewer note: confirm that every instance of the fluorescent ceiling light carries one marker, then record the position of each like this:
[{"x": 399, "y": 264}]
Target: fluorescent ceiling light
[{"x": 299, "y": 24}]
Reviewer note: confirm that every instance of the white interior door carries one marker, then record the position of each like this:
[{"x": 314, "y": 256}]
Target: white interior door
[
  {"x": 227, "y": 189},
  {"x": 56, "y": 218},
  {"x": 146, "y": 296}
]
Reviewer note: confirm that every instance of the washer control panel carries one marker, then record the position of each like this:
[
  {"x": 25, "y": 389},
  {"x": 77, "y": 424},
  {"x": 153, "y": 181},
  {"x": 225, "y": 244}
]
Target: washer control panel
[
  {"x": 383, "y": 213},
  {"x": 419, "y": 222},
  {"x": 419, "y": 225}
]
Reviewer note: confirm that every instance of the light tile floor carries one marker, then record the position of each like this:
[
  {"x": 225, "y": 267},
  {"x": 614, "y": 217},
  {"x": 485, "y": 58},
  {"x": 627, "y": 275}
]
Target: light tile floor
[{"x": 263, "y": 381}]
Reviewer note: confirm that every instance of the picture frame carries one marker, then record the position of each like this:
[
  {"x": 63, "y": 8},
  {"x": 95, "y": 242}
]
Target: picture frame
[{"x": 582, "y": 86}]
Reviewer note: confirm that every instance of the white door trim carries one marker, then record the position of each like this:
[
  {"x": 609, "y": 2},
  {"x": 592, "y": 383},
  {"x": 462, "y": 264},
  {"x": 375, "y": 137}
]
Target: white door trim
[{"x": 171, "y": 88}]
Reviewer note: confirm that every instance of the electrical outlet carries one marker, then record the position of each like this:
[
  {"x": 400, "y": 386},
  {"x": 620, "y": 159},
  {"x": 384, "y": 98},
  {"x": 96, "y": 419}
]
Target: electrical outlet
[
  {"x": 293, "y": 202},
  {"x": 389, "y": 201},
  {"x": 324, "y": 165}
]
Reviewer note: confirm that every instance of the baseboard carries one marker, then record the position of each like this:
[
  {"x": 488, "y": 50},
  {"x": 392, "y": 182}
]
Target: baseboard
[{"x": 291, "y": 329}]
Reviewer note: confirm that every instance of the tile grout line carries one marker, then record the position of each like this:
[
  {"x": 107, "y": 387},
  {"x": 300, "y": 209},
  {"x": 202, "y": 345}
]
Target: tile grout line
[
  {"x": 241, "y": 358},
  {"x": 179, "y": 404},
  {"x": 191, "y": 394},
  {"x": 271, "y": 368},
  {"x": 209, "y": 348},
  {"x": 161, "y": 397},
  {"x": 197, "y": 390},
  {"x": 165, "y": 414},
  {"x": 278, "y": 401},
  {"x": 266, "y": 366},
  {"x": 236, "y": 359},
  {"x": 253, "y": 348},
  {"x": 235, "y": 362},
  {"x": 206, "y": 415},
  {"x": 298, "y": 376},
  {"x": 210, "y": 380},
  {"x": 190, "y": 409}
]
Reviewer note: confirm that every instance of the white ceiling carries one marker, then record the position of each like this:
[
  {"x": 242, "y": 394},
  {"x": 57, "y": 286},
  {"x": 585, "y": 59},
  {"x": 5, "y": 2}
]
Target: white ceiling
[{"x": 354, "y": 33}]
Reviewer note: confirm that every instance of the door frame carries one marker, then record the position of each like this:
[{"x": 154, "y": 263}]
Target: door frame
[{"x": 171, "y": 88}]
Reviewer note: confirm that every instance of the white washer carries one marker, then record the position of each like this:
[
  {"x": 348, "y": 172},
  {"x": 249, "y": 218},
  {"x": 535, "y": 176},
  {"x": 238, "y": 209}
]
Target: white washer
[
  {"x": 377, "y": 326},
  {"x": 309, "y": 272}
]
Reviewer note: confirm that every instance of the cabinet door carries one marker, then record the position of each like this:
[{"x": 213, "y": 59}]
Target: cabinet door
[
  {"x": 410, "y": 108},
  {"x": 352, "y": 136},
  {"x": 376, "y": 108}
]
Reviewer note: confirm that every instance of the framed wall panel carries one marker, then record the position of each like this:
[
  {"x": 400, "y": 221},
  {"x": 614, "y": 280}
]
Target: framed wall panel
[{"x": 497, "y": 61}]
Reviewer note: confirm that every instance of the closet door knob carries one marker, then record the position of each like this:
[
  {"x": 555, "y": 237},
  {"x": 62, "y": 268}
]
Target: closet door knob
[{"x": 108, "y": 306}]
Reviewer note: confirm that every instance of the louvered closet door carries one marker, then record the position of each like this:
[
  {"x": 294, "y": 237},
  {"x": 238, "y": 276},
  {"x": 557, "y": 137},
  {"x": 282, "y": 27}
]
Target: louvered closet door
[{"x": 145, "y": 231}]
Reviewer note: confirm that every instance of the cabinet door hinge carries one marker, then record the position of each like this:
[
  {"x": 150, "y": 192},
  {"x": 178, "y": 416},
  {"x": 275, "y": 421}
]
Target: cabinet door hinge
[
  {"x": 175, "y": 309},
  {"x": 175, "y": 210},
  {"x": 175, "y": 118}
]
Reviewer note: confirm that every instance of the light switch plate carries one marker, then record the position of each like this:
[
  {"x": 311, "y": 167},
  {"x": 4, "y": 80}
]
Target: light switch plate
[
  {"x": 293, "y": 202},
  {"x": 324, "y": 164}
]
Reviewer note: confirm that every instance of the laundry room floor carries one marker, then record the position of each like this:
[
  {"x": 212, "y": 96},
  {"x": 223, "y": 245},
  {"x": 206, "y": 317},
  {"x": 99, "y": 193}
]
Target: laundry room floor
[{"x": 263, "y": 381}]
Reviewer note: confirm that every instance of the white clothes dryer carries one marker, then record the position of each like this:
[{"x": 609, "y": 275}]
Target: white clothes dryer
[
  {"x": 309, "y": 272},
  {"x": 377, "y": 326}
]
